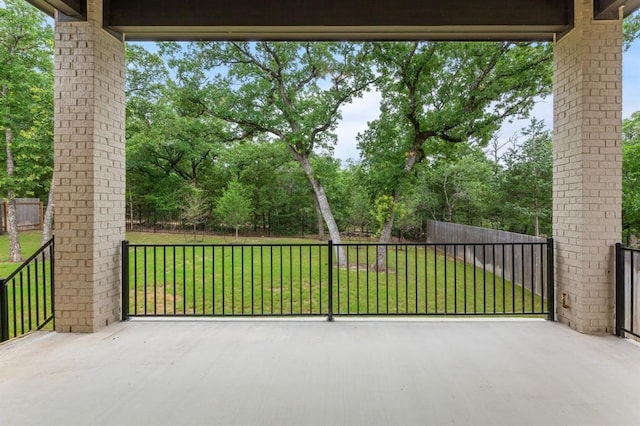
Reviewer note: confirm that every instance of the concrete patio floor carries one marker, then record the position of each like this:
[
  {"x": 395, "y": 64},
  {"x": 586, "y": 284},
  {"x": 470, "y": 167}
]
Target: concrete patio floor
[{"x": 314, "y": 372}]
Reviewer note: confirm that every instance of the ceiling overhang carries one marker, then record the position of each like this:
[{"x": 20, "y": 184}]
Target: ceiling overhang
[
  {"x": 337, "y": 19},
  {"x": 610, "y": 9}
]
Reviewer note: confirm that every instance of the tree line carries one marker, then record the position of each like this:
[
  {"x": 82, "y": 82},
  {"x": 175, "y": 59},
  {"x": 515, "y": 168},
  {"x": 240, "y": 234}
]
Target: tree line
[{"x": 241, "y": 135}]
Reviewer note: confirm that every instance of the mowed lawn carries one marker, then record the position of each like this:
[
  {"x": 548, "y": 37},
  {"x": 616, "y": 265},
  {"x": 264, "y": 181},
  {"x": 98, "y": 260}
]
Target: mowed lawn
[{"x": 290, "y": 277}]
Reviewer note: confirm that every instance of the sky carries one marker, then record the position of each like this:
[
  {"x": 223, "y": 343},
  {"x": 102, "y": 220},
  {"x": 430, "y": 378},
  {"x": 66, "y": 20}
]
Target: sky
[{"x": 356, "y": 115}]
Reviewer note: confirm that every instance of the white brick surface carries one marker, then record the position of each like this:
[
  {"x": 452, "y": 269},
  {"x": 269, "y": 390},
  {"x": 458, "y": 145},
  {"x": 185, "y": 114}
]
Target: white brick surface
[{"x": 587, "y": 190}]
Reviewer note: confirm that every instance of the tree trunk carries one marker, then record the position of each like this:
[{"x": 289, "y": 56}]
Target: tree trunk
[
  {"x": 536, "y": 224},
  {"x": 319, "y": 217},
  {"x": 385, "y": 238},
  {"x": 385, "y": 235},
  {"x": 325, "y": 209},
  {"x": 130, "y": 211},
  {"x": 15, "y": 251},
  {"x": 47, "y": 226}
]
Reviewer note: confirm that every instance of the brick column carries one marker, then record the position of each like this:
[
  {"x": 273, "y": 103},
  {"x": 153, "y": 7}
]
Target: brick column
[
  {"x": 587, "y": 162},
  {"x": 89, "y": 173}
]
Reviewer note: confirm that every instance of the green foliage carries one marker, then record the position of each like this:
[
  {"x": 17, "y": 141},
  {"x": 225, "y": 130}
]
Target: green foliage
[
  {"x": 26, "y": 98},
  {"x": 435, "y": 95},
  {"x": 527, "y": 182},
  {"x": 234, "y": 207},
  {"x": 631, "y": 29},
  {"x": 631, "y": 175}
]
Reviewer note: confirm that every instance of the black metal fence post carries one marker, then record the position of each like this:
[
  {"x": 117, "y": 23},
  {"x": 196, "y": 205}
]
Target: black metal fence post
[
  {"x": 52, "y": 270},
  {"x": 4, "y": 312},
  {"x": 125, "y": 280},
  {"x": 620, "y": 311},
  {"x": 551, "y": 277},
  {"x": 330, "y": 279}
]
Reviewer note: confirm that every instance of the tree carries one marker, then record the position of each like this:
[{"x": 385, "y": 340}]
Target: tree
[
  {"x": 172, "y": 145},
  {"x": 631, "y": 29},
  {"x": 291, "y": 92},
  {"x": 234, "y": 207},
  {"x": 527, "y": 182},
  {"x": 631, "y": 175},
  {"x": 434, "y": 94},
  {"x": 194, "y": 210},
  {"x": 25, "y": 75}
]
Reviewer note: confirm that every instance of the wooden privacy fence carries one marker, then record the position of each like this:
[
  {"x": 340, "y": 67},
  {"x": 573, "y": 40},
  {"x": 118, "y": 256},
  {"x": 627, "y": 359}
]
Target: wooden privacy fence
[
  {"x": 29, "y": 213},
  {"x": 512, "y": 262}
]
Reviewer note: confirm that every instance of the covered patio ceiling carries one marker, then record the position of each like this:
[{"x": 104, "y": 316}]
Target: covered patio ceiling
[{"x": 337, "y": 19}]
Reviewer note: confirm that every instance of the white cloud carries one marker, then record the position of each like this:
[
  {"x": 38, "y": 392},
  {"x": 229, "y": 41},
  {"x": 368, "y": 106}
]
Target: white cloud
[{"x": 355, "y": 117}]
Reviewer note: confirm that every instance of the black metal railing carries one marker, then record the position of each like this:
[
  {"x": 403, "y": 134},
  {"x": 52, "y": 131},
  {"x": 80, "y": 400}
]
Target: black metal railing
[
  {"x": 627, "y": 298},
  {"x": 330, "y": 279},
  {"x": 26, "y": 296}
]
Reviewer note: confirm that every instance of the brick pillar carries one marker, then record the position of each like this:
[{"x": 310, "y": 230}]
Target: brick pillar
[
  {"x": 587, "y": 168},
  {"x": 89, "y": 172}
]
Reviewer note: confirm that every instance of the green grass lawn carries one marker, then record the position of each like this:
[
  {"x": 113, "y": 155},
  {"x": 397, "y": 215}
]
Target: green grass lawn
[{"x": 30, "y": 243}]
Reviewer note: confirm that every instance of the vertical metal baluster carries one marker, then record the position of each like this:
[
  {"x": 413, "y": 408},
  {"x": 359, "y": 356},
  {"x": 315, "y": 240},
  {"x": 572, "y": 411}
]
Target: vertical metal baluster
[
  {"x": 233, "y": 280},
  {"x": 632, "y": 299},
  {"x": 144, "y": 259},
  {"x": 386, "y": 275},
  {"x": 223, "y": 281},
  {"x": 337, "y": 273},
  {"x": 357, "y": 279},
  {"x": 455, "y": 278},
  {"x": 204, "y": 279},
  {"x": 435, "y": 275},
  {"x": 513, "y": 278},
  {"x": 320, "y": 283},
  {"x": 193, "y": 277},
  {"x": 426, "y": 279},
  {"x": 213, "y": 279},
  {"x": 252, "y": 282},
  {"x": 36, "y": 288},
  {"x": 175, "y": 276},
  {"x": 311, "y": 280},
  {"x": 406, "y": 279},
  {"x": 484, "y": 278},
  {"x": 533, "y": 285},
  {"x": 415, "y": 275},
  {"x": 22, "y": 310},
  {"x": 15, "y": 308},
  {"x": 155, "y": 284},
  {"x": 493, "y": 260},
  {"x": 504, "y": 278},
  {"x": 242, "y": 278},
  {"x": 347, "y": 249},
  {"x": 464, "y": 275},
  {"x": 164, "y": 278},
  {"x": 475, "y": 280},
  {"x": 446, "y": 281},
  {"x": 29, "y": 313},
  {"x": 542, "y": 279},
  {"x": 523, "y": 275},
  {"x": 367, "y": 276}
]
